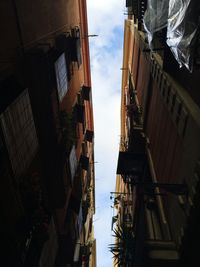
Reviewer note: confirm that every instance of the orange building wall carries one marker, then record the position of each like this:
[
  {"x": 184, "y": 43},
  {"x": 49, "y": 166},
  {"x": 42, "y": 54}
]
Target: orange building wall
[{"x": 165, "y": 143}]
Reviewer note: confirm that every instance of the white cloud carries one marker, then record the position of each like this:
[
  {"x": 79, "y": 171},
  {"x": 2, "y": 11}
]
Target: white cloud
[
  {"x": 103, "y": 235},
  {"x": 106, "y": 19}
]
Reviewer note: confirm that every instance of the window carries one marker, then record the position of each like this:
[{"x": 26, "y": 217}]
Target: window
[
  {"x": 19, "y": 132},
  {"x": 61, "y": 76},
  {"x": 73, "y": 163}
]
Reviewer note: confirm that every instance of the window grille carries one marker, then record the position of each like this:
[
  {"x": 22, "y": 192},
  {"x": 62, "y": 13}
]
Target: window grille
[{"x": 19, "y": 133}]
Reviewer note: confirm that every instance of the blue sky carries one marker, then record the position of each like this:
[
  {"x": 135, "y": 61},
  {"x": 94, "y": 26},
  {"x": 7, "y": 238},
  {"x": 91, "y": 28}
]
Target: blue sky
[{"x": 106, "y": 19}]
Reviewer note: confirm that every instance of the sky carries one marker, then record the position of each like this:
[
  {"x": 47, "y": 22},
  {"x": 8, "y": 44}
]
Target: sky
[{"x": 106, "y": 19}]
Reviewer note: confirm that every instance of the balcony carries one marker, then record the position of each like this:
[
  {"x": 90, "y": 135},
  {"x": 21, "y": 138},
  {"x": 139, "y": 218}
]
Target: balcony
[
  {"x": 143, "y": 229},
  {"x": 160, "y": 248}
]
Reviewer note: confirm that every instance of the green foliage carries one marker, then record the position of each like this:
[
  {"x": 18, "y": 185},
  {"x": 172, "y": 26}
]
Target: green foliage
[
  {"x": 123, "y": 248},
  {"x": 68, "y": 126}
]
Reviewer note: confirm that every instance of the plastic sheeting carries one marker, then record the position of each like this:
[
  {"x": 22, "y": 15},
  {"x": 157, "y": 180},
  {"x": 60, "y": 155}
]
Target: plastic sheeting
[
  {"x": 182, "y": 31},
  {"x": 155, "y": 17},
  {"x": 181, "y": 18}
]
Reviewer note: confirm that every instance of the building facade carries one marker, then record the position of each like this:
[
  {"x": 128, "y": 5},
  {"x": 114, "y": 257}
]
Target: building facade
[
  {"x": 157, "y": 184},
  {"x": 47, "y": 135}
]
